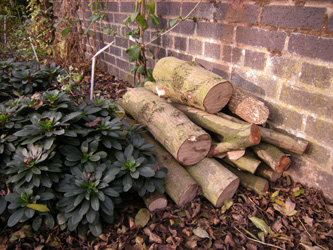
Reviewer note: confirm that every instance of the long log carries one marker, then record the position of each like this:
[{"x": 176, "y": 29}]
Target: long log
[
  {"x": 248, "y": 107},
  {"x": 191, "y": 84},
  {"x": 178, "y": 183},
  {"x": 235, "y": 135},
  {"x": 266, "y": 172},
  {"x": 155, "y": 201},
  {"x": 247, "y": 163},
  {"x": 217, "y": 182},
  {"x": 284, "y": 141},
  {"x": 184, "y": 140},
  {"x": 272, "y": 156},
  {"x": 253, "y": 182}
]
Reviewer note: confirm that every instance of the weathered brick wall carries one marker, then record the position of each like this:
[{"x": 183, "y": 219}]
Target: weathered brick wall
[{"x": 281, "y": 51}]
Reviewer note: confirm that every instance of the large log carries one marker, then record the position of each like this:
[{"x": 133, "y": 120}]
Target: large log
[
  {"x": 284, "y": 141},
  {"x": 178, "y": 183},
  {"x": 184, "y": 140},
  {"x": 217, "y": 182},
  {"x": 155, "y": 201},
  {"x": 272, "y": 156},
  {"x": 191, "y": 84},
  {"x": 248, "y": 107},
  {"x": 247, "y": 163},
  {"x": 235, "y": 135},
  {"x": 266, "y": 172},
  {"x": 247, "y": 180}
]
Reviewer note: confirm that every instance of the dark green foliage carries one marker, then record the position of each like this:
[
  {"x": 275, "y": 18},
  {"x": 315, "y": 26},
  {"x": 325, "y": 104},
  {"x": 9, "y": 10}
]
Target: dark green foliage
[{"x": 67, "y": 161}]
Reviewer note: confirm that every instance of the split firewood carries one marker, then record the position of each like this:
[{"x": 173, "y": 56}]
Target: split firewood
[
  {"x": 217, "y": 182},
  {"x": 247, "y": 180},
  {"x": 235, "y": 135},
  {"x": 272, "y": 156},
  {"x": 155, "y": 201},
  {"x": 178, "y": 183},
  {"x": 287, "y": 142},
  {"x": 266, "y": 172},
  {"x": 247, "y": 163},
  {"x": 184, "y": 140},
  {"x": 248, "y": 107},
  {"x": 191, "y": 84}
]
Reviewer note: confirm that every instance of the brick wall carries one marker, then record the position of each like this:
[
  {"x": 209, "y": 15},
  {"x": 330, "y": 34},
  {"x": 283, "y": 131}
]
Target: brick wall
[{"x": 281, "y": 51}]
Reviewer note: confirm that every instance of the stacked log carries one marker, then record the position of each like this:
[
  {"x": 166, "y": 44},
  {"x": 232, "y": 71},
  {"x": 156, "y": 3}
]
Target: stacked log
[{"x": 247, "y": 152}]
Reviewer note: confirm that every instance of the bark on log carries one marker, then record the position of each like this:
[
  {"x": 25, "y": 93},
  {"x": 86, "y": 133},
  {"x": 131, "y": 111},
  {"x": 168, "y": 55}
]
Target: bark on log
[
  {"x": 272, "y": 156},
  {"x": 155, "y": 201},
  {"x": 287, "y": 142},
  {"x": 248, "y": 107},
  {"x": 192, "y": 84},
  {"x": 247, "y": 163},
  {"x": 184, "y": 140},
  {"x": 235, "y": 135},
  {"x": 247, "y": 180},
  {"x": 217, "y": 182},
  {"x": 266, "y": 172},
  {"x": 178, "y": 183}
]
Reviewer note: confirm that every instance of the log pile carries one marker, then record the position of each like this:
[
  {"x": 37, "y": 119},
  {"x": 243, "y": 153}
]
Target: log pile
[{"x": 190, "y": 127}]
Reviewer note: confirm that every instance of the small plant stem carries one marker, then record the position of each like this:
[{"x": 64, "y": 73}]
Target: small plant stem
[
  {"x": 258, "y": 241},
  {"x": 175, "y": 24},
  {"x": 311, "y": 235}
]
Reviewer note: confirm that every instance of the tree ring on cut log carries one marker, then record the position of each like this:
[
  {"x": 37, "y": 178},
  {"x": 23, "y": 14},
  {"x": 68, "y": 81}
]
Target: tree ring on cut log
[
  {"x": 255, "y": 134},
  {"x": 217, "y": 97},
  {"x": 188, "y": 194},
  {"x": 284, "y": 163},
  {"x": 193, "y": 151},
  {"x": 228, "y": 192}
]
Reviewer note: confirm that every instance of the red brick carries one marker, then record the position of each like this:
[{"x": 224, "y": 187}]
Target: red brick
[
  {"x": 248, "y": 14},
  {"x": 108, "y": 18},
  {"x": 218, "y": 69},
  {"x": 195, "y": 47},
  {"x": 230, "y": 54},
  {"x": 180, "y": 55},
  {"x": 212, "y": 50},
  {"x": 318, "y": 76},
  {"x": 122, "y": 42},
  {"x": 330, "y": 24},
  {"x": 294, "y": 17},
  {"x": 217, "y": 31},
  {"x": 167, "y": 41},
  {"x": 279, "y": 115},
  {"x": 113, "y": 7},
  {"x": 110, "y": 59},
  {"x": 261, "y": 38},
  {"x": 317, "y": 153},
  {"x": 312, "y": 102},
  {"x": 127, "y": 7},
  {"x": 186, "y": 27},
  {"x": 258, "y": 85},
  {"x": 204, "y": 10},
  {"x": 320, "y": 130},
  {"x": 124, "y": 65},
  {"x": 180, "y": 43},
  {"x": 168, "y": 9},
  {"x": 284, "y": 67},
  {"x": 311, "y": 46},
  {"x": 115, "y": 51},
  {"x": 119, "y": 18},
  {"x": 255, "y": 60}
]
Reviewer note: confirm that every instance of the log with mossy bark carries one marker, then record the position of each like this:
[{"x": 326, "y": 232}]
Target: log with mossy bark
[
  {"x": 155, "y": 201},
  {"x": 266, "y": 172},
  {"x": 178, "y": 183},
  {"x": 283, "y": 141},
  {"x": 217, "y": 182},
  {"x": 185, "y": 141},
  {"x": 253, "y": 182},
  {"x": 246, "y": 163},
  {"x": 272, "y": 156},
  {"x": 235, "y": 135},
  {"x": 248, "y": 107},
  {"x": 191, "y": 84}
]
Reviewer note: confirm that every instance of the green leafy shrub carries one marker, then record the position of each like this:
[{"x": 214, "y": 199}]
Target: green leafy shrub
[{"x": 68, "y": 161}]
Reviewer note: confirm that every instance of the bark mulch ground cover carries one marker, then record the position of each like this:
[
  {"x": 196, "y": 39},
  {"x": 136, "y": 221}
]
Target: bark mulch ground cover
[{"x": 290, "y": 216}]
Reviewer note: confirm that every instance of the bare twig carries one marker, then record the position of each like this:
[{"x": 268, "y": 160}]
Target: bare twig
[
  {"x": 258, "y": 241},
  {"x": 175, "y": 24},
  {"x": 311, "y": 237}
]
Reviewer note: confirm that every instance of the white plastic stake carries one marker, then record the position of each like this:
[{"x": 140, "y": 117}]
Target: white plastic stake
[{"x": 93, "y": 69}]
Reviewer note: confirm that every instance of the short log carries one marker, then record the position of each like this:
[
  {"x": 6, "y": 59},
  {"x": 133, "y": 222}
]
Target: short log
[
  {"x": 178, "y": 183},
  {"x": 266, "y": 172},
  {"x": 185, "y": 141},
  {"x": 155, "y": 201},
  {"x": 191, "y": 84},
  {"x": 246, "y": 163},
  {"x": 217, "y": 182}
]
